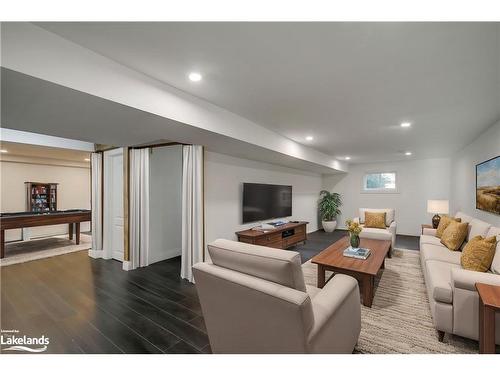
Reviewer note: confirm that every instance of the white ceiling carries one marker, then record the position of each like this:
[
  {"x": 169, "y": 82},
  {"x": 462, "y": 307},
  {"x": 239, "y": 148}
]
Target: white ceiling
[
  {"x": 347, "y": 84},
  {"x": 38, "y": 106}
]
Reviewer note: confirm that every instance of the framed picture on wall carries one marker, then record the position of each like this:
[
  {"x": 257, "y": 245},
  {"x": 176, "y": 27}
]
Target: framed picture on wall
[{"x": 488, "y": 185}]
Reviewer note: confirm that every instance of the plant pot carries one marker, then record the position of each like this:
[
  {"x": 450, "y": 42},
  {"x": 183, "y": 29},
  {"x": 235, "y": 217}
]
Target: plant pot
[
  {"x": 354, "y": 240},
  {"x": 329, "y": 226}
]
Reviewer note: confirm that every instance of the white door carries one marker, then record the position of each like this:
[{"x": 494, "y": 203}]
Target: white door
[{"x": 113, "y": 204}]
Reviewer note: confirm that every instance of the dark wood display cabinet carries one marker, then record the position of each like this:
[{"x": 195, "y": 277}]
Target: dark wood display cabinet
[{"x": 41, "y": 197}]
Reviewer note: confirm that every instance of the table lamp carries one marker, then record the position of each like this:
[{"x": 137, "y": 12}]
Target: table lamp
[{"x": 437, "y": 207}]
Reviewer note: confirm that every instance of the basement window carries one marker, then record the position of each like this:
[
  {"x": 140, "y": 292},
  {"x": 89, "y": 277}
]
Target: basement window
[{"x": 380, "y": 182}]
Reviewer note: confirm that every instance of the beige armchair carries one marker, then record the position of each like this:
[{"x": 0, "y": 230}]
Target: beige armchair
[
  {"x": 254, "y": 300},
  {"x": 388, "y": 233}
]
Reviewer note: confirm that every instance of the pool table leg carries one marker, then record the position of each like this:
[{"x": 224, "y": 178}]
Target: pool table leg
[
  {"x": 2, "y": 244},
  {"x": 77, "y": 233},
  {"x": 70, "y": 231}
]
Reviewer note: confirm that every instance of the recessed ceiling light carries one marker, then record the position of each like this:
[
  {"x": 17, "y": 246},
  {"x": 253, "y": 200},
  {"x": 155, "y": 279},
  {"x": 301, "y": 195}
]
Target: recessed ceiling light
[
  {"x": 309, "y": 138},
  {"x": 405, "y": 124},
  {"x": 4, "y": 151},
  {"x": 347, "y": 158},
  {"x": 407, "y": 153},
  {"x": 195, "y": 77},
  {"x": 86, "y": 159}
]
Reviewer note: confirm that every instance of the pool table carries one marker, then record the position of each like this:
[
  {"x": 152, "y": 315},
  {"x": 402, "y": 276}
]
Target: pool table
[{"x": 15, "y": 220}]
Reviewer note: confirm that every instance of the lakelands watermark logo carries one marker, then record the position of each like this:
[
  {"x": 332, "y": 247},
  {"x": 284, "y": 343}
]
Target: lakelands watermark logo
[{"x": 12, "y": 340}]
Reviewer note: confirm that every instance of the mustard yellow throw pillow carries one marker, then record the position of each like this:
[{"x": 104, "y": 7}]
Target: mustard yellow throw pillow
[
  {"x": 375, "y": 220},
  {"x": 443, "y": 224},
  {"x": 454, "y": 235},
  {"x": 478, "y": 254}
]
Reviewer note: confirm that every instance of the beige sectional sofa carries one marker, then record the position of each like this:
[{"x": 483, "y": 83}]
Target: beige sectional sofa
[{"x": 451, "y": 290}]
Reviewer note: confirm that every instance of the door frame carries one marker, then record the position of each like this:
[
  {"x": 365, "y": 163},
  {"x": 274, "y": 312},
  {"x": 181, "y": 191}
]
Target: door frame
[{"x": 108, "y": 252}]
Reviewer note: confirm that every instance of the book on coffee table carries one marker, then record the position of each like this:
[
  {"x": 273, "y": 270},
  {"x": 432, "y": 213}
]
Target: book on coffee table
[{"x": 358, "y": 253}]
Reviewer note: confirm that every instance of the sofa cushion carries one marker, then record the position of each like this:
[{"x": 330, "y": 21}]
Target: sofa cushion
[
  {"x": 312, "y": 291},
  {"x": 279, "y": 266},
  {"x": 432, "y": 240},
  {"x": 464, "y": 217},
  {"x": 495, "y": 265},
  {"x": 439, "y": 278},
  {"x": 375, "y": 233},
  {"x": 454, "y": 235},
  {"x": 389, "y": 214},
  {"x": 375, "y": 219},
  {"x": 439, "y": 253},
  {"x": 478, "y": 228},
  {"x": 443, "y": 224},
  {"x": 429, "y": 232}
]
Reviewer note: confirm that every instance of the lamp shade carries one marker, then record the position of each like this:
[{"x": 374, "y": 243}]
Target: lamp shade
[{"x": 438, "y": 206}]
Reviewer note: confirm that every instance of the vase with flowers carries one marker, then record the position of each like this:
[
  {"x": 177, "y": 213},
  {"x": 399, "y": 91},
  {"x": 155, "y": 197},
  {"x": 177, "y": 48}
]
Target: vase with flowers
[{"x": 354, "y": 230}]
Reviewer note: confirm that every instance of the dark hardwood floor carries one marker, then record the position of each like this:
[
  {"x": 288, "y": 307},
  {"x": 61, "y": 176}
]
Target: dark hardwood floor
[
  {"x": 87, "y": 305},
  {"x": 407, "y": 242}
]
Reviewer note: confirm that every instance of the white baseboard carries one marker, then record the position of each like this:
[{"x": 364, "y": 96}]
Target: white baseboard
[
  {"x": 127, "y": 265},
  {"x": 96, "y": 254}
]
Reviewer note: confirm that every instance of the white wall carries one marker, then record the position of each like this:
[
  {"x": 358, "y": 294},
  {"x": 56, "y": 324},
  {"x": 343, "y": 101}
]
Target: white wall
[
  {"x": 224, "y": 177},
  {"x": 73, "y": 190},
  {"x": 417, "y": 181},
  {"x": 463, "y": 187},
  {"x": 165, "y": 203}
]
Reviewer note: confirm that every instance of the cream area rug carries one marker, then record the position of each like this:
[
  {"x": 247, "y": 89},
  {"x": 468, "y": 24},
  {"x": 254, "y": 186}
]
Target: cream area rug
[
  {"x": 400, "y": 320},
  {"x": 26, "y": 251}
]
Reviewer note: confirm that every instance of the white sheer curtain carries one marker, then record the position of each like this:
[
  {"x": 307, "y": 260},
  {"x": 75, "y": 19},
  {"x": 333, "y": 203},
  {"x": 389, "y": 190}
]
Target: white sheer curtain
[
  {"x": 192, "y": 209},
  {"x": 139, "y": 208},
  {"x": 96, "y": 198}
]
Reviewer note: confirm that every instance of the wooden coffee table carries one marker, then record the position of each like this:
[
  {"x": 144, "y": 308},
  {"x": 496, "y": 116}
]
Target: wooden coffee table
[{"x": 364, "y": 270}]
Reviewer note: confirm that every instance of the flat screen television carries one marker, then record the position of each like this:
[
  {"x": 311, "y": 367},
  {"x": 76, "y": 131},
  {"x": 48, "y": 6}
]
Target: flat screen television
[{"x": 264, "y": 201}]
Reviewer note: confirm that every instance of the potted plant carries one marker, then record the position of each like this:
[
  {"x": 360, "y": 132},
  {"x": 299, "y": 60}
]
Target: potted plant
[
  {"x": 329, "y": 204},
  {"x": 354, "y": 230}
]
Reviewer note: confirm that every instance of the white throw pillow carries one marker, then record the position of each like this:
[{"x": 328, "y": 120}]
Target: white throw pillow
[{"x": 478, "y": 228}]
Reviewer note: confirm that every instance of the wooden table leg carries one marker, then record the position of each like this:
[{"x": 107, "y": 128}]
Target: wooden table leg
[
  {"x": 367, "y": 284},
  {"x": 389, "y": 254},
  {"x": 77, "y": 233},
  {"x": 321, "y": 276},
  {"x": 2, "y": 244},
  {"x": 70, "y": 231},
  {"x": 486, "y": 329}
]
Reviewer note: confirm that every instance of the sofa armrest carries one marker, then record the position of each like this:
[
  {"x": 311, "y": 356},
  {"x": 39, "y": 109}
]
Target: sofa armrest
[
  {"x": 429, "y": 231},
  {"x": 392, "y": 228},
  {"x": 337, "y": 316},
  {"x": 465, "y": 279}
]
